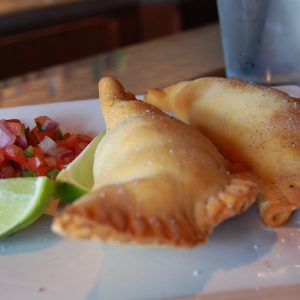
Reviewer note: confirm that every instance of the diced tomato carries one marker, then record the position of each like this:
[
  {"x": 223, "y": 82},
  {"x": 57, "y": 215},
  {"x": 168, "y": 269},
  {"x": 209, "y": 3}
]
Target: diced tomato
[
  {"x": 64, "y": 155},
  {"x": 66, "y": 135},
  {"x": 39, "y": 121},
  {"x": 7, "y": 171},
  {"x": 15, "y": 127},
  {"x": 38, "y": 134},
  {"x": 39, "y": 156},
  {"x": 18, "y": 129},
  {"x": 74, "y": 139},
  {"x": 54, "y": 134},
  {"x": 84, "y": 138},
  {"x": 15, "y": 153},
  {"x": 31, "y": 139},
  {"x": 69, "y": 142},
  {"x": 51, "y": 161},
  {"x": 34, "y": 163},
  {"x": 78, "y": 148},
  {"x": 2, "y": 157},
  {"x": 13, "y": 120},
  {"x": 42, "y": 171},
  {"x": 45, "y": 123},
  {"x": 23, "y": 154},
  {"x": 18, "y": 172},
  {"x": 37, "y": 152}
]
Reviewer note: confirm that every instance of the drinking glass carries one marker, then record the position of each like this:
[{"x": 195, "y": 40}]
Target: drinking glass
[{"x": 261, "y": 40}]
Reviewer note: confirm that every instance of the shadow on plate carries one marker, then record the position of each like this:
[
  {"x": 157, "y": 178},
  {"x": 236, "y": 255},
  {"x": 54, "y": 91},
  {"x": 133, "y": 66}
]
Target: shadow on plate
[
  {"x": 294, "y": 221},
  {"x": 136, "y": 272},
  {"x": 36, "y": 237}
]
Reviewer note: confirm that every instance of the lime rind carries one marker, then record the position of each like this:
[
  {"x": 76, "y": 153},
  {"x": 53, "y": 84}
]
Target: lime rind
[
  {"x": 77, "y": 178},
  {"x": 68, "y": 191},
  {"x": 44, "y": 190},
  {"x": 23, "y": 201}
]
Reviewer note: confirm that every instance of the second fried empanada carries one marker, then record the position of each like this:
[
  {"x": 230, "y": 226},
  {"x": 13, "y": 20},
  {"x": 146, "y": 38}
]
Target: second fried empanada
[
  {"x": 157, "y": 180},
  {"x": 256, "y": 126}
]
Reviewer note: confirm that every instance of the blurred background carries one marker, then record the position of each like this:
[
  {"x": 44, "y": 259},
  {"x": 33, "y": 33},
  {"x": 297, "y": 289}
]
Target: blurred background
[{"x": 35, "y": 34}]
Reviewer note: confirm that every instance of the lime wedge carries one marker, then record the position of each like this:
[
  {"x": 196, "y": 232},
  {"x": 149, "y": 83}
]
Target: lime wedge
[
  {"x": 23, "y": 201},
  {"x": 77, "y": 178}
]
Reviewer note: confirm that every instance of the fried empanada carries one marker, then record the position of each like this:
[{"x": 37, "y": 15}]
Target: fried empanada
[
  {"x": 157, "y": 180},
  {"x": 253, "y": 125}
]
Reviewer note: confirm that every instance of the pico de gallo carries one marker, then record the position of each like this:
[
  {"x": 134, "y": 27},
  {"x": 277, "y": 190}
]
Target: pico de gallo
[{"x": 39, "y": 151}]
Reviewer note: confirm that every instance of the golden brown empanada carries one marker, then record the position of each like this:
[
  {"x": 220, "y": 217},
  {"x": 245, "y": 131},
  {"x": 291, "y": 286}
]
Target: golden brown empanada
[
  {"x": 252, "y": 125},
  {"x": 157, "y": 180}
]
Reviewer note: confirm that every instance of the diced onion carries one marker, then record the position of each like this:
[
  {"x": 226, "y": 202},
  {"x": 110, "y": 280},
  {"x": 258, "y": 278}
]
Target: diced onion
[
  {"x": 61, "y": 153},
  {"x": 49, "y": 125},
  {"x": 22, "y": 141},
  {"x": 47, "y": 145},
  {"x": 6, "y": 136}
]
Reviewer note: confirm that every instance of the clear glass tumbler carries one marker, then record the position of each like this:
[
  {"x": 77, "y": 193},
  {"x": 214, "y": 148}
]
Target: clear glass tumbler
[{"x": 261, "y": 40}]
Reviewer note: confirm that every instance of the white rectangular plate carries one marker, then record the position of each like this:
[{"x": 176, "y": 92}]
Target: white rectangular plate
[{"x": 243, "y": 259}]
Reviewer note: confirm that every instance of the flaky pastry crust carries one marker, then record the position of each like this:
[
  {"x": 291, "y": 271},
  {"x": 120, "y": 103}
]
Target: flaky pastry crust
[
  {"x": 158, "y": 181},
  {"x": 252, "y": 125}
]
